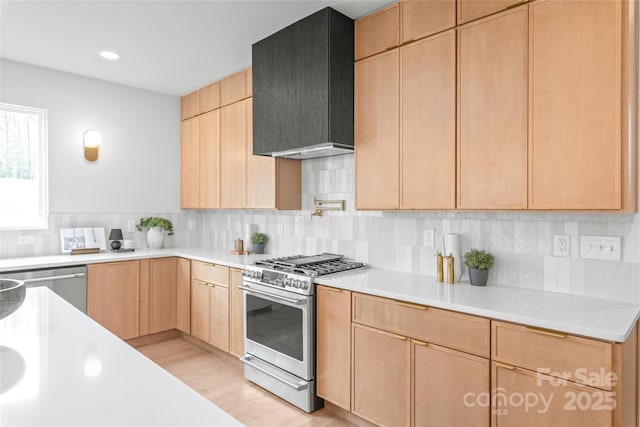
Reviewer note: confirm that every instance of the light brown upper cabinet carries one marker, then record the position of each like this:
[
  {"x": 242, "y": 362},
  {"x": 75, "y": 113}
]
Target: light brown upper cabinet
[
  {"x": 428, "y": 120},
  {"x": 377, "y": 131},
  {"x": 189, "y": 105},
  {"x": 492, "y": 112},
  {"x": 189, "y": 163},
  {"x": 468, "y": 10},
  {"x": 233, "y": 155},
  {"x": 233, "y": 88},
  {"x": 271, "y": 183},
  {"x": 209, "y": 97},
  {"x": 422, "y": 18},
  {"x": 200, "y": 161},
  {"x": 377, "y": 32},
  {"x": 578, "y": 153}
]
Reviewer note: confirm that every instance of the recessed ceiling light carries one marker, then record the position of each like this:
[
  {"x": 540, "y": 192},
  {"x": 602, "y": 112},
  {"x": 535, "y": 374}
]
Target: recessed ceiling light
[{"x": 109, "y": 55}]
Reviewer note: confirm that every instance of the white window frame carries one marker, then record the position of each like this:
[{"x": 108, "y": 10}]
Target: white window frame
[{"x": 42, "y": 171}]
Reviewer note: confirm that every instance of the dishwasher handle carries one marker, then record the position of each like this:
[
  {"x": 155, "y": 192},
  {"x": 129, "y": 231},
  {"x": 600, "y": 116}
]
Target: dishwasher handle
[{"x": 52, "y": 278}]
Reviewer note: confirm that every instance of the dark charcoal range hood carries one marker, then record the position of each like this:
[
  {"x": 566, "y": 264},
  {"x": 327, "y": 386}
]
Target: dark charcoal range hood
[{"x": 303, "y": 88}]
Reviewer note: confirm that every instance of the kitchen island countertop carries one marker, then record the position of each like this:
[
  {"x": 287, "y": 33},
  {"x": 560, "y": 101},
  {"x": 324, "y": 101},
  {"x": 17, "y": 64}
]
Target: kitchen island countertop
[{"x": 59, "y": 367}]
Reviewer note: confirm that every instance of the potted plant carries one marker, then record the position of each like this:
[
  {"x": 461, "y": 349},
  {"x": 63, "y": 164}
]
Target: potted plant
[
  {"x": 157, "y": 227},
  {"x": 479, "y": 263},
  {"x": 259, "y": 240}
]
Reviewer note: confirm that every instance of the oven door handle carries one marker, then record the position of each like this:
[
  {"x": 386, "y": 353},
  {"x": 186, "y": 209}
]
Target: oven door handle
[
  {"x": 267, "y": 294},
  {"x": 298, "y": 387}
]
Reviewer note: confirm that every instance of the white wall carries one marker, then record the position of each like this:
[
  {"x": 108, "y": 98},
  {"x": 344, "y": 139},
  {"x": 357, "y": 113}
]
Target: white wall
[{"x": 138, "y": 166}]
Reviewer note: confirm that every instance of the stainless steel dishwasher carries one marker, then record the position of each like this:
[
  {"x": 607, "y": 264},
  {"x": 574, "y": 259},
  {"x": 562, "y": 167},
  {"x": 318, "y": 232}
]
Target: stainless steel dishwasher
[{"x": 68, "y": 282}]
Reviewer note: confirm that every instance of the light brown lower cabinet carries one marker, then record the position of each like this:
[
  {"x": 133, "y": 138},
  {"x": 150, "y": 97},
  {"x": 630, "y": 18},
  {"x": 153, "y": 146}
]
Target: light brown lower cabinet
[
  {"x": 236, "y": 313},
  {"x": 381, "y": 376},
  {"x": 183, "y": 295},
  {"x": 162, "y": 294},
  {"x": 113, "y": 296},
  {"x": 219, "y": 316},
  {"x": 200, "y": 310},
  {"x": 333, "y": 345},
  {"x": 526, "y": 398}
]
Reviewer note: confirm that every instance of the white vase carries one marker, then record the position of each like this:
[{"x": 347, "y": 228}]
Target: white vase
[
  {"x": 452, "y": 247},
  {"x": 155, "y": 236}
]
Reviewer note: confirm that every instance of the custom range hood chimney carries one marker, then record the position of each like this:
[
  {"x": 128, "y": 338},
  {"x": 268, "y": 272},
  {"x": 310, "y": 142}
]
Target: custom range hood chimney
[{"x": 303, "y": 88}]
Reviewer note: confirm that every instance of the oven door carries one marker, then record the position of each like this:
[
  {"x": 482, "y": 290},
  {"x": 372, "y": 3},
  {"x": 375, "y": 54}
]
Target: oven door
[{"x": 278, "y": 328}]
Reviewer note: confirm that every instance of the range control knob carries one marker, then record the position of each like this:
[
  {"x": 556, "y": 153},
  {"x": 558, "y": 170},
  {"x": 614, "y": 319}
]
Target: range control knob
[
  {"x": 287, "y": 281},
  {"x": 305, "y": 284}
]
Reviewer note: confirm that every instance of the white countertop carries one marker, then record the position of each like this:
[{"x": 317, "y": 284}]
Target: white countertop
[
  {"x": 575, "y": 314},
  {"x": 212, "y": 255},
  {"x": 59, "y": 367}
]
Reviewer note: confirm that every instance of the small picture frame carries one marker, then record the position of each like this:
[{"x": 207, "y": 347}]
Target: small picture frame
[{"x": 82, "y": 238}]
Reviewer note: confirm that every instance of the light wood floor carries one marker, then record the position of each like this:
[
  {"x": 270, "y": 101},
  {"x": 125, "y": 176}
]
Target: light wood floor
[{"x": 218, "y": 376}]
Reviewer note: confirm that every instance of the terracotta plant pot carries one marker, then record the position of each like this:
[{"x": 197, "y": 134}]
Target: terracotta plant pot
[{"x": 478, "y": 277}]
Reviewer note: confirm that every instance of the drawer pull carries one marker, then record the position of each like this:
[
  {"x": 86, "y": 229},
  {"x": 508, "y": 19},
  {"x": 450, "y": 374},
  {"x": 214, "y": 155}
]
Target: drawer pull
[
  {"x": 400, "y": 337},
  {"x": 390, "y": 48},
  {"x": 545, "y": 332},
  {"x": 505, "y": 366},
  {"x": 422, "y": 343},
  {"x": 326, "y": 288},
  {"x": 408, "y": 304}
]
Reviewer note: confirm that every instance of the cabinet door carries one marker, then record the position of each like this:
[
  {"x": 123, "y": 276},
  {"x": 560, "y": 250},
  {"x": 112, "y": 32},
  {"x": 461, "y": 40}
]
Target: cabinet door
[
  {"x": 236, "y": 317},
  {"x": 422, "y": 18},
  {"x": 209, "y": 97},
  {"x": 381, "y": 376},
  {"x": 377, "y": 32},
  {"x": 261, "y": 172},
  {"x": 557, "y": 402},
  {"x": 377, "y": 131},
  {"x": 162, "y": 295},
  {"x": 233, "y": 150},
  {"x": 468, "y": 10},
  {"x": 209, "y": 160},
  {"x": 333, "y": 343},
  {"x": 189, "y": 105},
  {"x": 443, "y": 380},
  {"x": 183, "y": 295},
  {"x": 492, "y": 112},
  {"x": 429, "y": 122},
  {"x": 113, "y": 296},
  {"x": 219, "y": 317},
  {"x": 233, "y": 88},
  {"x": 189, "y": 164},
  {"x": 575, "y": 100},
  {"x": 200, "y": 310}
]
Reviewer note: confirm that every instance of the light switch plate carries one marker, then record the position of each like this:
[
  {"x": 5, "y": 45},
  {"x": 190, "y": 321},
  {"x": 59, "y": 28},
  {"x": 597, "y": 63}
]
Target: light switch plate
[
  {"x": 192, "y": 224},
  {"x": 606, "y": 248},
  {"x": 429, "y": 237},
  {"x": 131, "y": 226}
]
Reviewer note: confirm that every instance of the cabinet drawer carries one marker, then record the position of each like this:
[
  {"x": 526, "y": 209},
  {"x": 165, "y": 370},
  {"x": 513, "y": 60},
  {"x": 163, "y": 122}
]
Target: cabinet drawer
[
  {"x": 377, "y": 32},
  {"x": 578, "y": 359},
  {"x": 447, "y": 328},
  {"x": 210, "y": 273}
]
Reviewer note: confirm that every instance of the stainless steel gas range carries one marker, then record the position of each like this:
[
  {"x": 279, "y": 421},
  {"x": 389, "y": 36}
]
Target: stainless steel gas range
[{"x": 279, "y": 324}]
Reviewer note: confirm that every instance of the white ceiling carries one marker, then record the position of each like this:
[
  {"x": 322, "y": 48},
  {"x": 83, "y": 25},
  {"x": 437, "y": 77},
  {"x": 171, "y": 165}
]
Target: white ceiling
[{"x": 171, "y": 47}]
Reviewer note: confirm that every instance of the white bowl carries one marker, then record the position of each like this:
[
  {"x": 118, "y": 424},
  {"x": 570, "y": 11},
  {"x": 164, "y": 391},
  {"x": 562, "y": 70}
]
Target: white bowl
[{"x": 12, "y": 294}]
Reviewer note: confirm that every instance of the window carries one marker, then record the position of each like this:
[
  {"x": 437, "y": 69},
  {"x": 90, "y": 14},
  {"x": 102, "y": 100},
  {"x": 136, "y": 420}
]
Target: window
[{"x": 23, "y": 167}]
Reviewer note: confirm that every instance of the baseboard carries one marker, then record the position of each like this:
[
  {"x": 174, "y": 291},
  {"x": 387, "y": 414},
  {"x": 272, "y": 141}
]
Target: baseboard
[
  {"x": 154, "y": 338},
  {"x": 346, "y": 415}
]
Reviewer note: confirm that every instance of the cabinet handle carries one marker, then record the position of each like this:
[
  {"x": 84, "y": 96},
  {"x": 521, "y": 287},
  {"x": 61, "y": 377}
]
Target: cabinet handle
[
  {"x": 516, "y": 4},
  {"x": 422, "y": 343},
  {"x": 505, "y": 366},
  {"x": 400, "y": 337},
  {"x": 326, "y": 288},
  {"x": 545, "y": 332},
  {"x": 390, "y": 48},
  {"x": 408, "y": 304}
]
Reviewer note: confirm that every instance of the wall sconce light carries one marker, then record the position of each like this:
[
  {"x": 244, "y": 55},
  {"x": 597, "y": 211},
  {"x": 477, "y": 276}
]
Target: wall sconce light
[{"x": 92, "y": 141}]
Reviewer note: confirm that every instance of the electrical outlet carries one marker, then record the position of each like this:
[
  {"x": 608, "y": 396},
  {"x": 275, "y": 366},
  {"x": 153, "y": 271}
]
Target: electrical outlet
[
  {"x": 131, "y": 226},
  {"x": 561, "y": 245},
  {"x": 192, "y": 224},
  {"x": 25, "y": 240},
  {"x": 601, "y": 247},
  {"x": 429, "y": 237}
]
